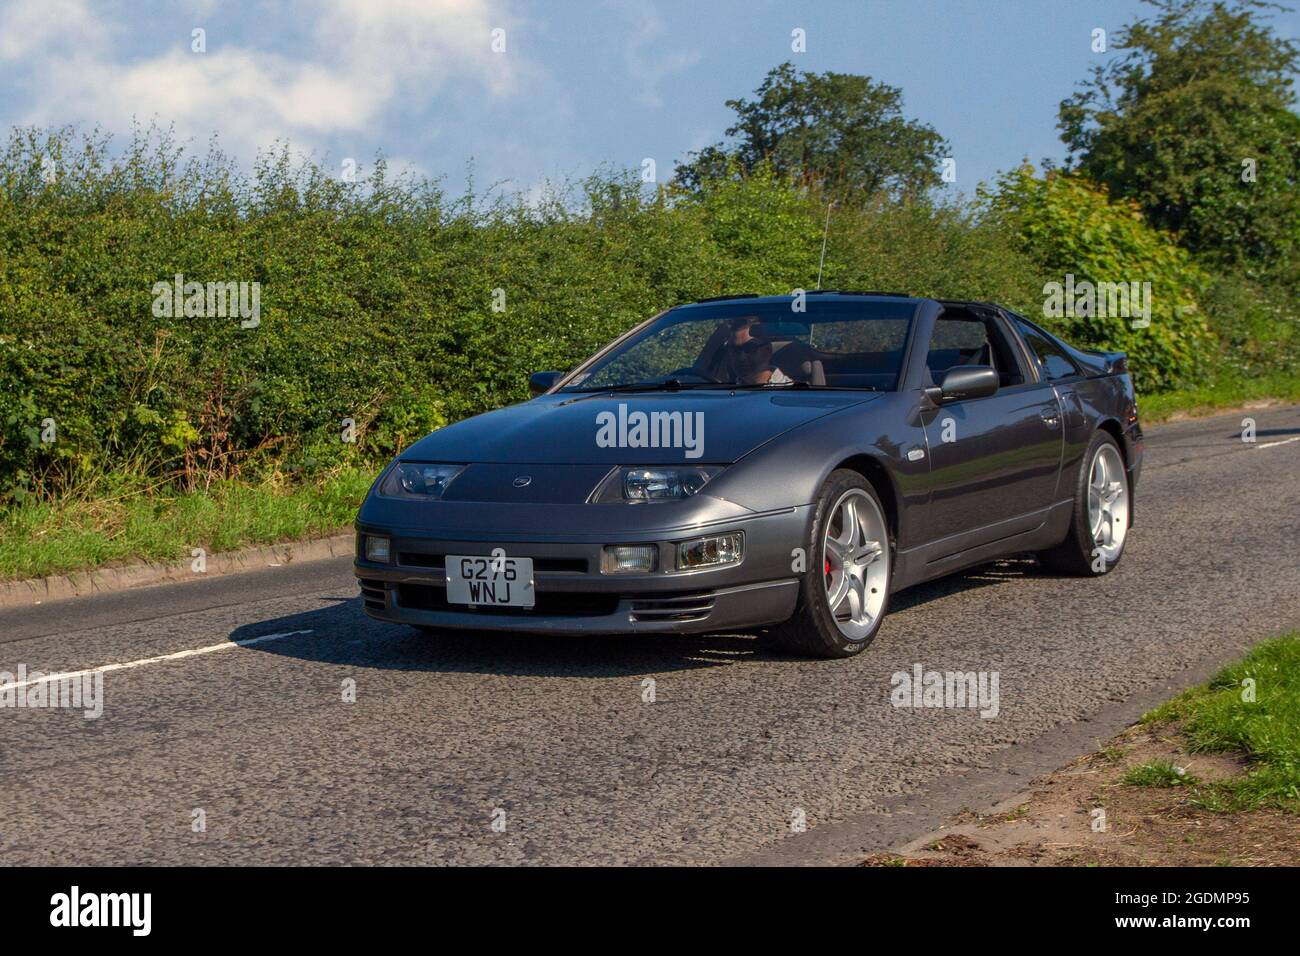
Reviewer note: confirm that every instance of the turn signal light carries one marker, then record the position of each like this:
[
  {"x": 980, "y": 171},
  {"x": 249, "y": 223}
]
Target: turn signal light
[{"x": 713, "y": 551}]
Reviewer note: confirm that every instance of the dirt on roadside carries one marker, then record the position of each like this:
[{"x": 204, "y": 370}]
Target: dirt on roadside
[{"x": 1053, "y": 824}]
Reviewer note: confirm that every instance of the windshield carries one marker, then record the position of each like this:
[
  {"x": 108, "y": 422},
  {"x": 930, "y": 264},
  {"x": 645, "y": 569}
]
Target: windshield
[{"x": 856, "y": 344}]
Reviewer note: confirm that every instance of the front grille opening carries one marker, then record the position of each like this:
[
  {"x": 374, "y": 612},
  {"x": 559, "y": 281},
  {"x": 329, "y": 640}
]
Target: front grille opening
[
  {"x": 681, "y": 606},
  {"x": 563, "y": 565},
  {"x": 437, "y": 562},
  {"x": 423, "y": 597}
]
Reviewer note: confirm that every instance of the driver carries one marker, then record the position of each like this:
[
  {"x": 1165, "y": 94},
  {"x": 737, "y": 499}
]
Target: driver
[{"x": 743, "y": 356}]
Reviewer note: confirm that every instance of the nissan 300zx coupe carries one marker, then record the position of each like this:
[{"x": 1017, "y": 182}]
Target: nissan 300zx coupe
[{"x": 780, "y": 465}]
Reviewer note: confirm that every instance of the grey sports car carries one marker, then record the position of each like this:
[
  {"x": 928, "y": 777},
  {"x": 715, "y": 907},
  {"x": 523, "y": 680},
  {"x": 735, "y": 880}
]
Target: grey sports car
[{"x": 780, "y": 464}]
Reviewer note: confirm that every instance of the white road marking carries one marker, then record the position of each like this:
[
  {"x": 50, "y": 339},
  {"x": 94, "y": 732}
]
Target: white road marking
[
  {"x": 1274, "y": 444},
  {"x": 126, "y": 665}
]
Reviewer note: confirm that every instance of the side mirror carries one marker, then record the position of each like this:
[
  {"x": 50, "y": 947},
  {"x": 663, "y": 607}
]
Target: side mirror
[
  {"x": 968, "y": 381},
  {"x": 540, "y": 382}
]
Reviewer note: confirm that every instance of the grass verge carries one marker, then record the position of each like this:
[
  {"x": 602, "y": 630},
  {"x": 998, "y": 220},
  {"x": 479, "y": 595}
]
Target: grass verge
[
  {"x": 1224, "y": 394},
  {"x": 130, "y": 522},
  {"x": 1251, "y": 709},
  {"x": 1212, "y": 777}
]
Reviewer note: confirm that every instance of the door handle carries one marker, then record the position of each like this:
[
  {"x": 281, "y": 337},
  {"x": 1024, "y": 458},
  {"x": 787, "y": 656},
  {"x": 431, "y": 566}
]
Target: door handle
[{"x": 1051, "y": 417}]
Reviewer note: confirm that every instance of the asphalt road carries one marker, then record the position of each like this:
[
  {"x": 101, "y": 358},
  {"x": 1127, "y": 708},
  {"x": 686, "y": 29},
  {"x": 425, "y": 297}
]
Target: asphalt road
[{"x": 445, "y": 733}]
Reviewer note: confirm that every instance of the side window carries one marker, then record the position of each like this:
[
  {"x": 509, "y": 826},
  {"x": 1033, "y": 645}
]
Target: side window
[
  {"x": 965, "y": 338},
  {"x": 1056, "y": 364},
  {"x": 957, "y": 341}
]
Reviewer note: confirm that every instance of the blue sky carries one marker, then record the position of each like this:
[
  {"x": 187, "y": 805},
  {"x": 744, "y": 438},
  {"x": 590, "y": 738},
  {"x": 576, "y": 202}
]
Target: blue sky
[{"x": 579, "y": 84}]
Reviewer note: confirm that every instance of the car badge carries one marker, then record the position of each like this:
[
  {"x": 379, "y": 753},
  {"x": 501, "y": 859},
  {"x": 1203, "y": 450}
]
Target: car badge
[{"x": 523, "y": 481}]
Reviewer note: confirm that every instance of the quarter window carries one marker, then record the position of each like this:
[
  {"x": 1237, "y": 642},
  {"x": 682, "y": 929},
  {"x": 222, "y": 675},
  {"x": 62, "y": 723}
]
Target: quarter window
[{"x": 1056, "y": 364}]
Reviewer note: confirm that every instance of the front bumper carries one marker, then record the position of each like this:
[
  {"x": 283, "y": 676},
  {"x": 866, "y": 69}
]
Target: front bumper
[{"x": 573, "y": 597}]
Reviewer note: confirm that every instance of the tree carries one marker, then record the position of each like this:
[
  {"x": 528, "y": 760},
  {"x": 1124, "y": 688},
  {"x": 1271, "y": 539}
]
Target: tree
[
  {"x": 1196, "y": 124},
  {"x": 839, "y": 131},
  {"x": 1066, "y": 224}
]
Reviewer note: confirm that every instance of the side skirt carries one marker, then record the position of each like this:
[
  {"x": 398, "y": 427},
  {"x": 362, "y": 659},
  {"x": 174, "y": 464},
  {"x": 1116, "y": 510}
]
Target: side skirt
[{"x": 938, "y": 558}]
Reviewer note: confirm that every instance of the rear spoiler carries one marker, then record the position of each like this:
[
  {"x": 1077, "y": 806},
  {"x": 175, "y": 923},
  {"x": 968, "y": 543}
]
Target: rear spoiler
[{"x": 1096, "y": 363}]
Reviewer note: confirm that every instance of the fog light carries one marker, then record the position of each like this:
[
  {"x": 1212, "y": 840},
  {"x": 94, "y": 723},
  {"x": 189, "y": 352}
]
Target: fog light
[
  {"x": 376, "y": 548},
  {"x": 628, "y": 558},
  {"x": 710, "y": 552}
]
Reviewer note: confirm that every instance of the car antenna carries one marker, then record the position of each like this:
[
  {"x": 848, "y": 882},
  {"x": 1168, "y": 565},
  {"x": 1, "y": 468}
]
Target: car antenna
[{"x": 825, "y": 231}]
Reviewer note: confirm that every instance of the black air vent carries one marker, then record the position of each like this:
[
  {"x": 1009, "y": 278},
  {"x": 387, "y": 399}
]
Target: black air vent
[
  {"x": 373, "y": 594},
  {"x": 685, "y": 606},
  {"x": 423, "y": 597}
]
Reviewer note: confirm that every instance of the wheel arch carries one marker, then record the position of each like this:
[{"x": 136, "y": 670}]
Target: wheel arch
[
  {"x": 1113, "y": 428},
  {"x": 878, "y": 476}
]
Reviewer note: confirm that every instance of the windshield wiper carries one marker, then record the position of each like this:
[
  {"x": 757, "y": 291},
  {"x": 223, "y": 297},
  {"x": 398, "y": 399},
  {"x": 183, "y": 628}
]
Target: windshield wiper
[{"x": 762, "y": 386}]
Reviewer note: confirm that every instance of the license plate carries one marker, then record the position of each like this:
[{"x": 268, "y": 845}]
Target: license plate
[{"x": 481, "y": 581}]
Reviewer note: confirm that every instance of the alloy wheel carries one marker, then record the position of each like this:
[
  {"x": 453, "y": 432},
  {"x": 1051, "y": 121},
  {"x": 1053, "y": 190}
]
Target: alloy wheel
[
  {"x": 855, "y": 565},
  {"x": 1107, "y": 504}
]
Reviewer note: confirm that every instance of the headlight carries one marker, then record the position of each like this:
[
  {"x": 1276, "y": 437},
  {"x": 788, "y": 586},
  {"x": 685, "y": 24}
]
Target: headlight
[
  {"x": 416, "y": 480},
  {"x": 653, "y": 483}
]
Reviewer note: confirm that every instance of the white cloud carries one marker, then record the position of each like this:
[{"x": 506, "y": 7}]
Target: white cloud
[
  {"x": 28, "y": 29},
  {"x": 648, "y": 66},
  {"x": 421, "y": 41},
  {"x": 362, "y": 63}
]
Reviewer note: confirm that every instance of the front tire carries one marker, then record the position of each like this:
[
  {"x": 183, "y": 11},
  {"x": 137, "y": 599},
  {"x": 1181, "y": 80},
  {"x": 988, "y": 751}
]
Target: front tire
[
  {"x": 1100, "y": 521},
  {"x": 844, "y": 592}
]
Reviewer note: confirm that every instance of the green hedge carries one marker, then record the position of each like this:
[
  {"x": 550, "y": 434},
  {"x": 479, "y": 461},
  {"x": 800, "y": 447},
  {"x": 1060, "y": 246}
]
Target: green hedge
[
  {"x": 377, "y": 297},
  {"x": 1069, "y": 227}
]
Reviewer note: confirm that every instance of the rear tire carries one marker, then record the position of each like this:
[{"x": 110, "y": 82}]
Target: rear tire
[
  {"x": 844, "y": 592},
  {"x": 1100, "y": 520}
]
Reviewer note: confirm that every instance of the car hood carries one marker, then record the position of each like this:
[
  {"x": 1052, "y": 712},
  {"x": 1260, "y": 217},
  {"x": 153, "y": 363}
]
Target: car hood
[{"x": 716, "y": 427}]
